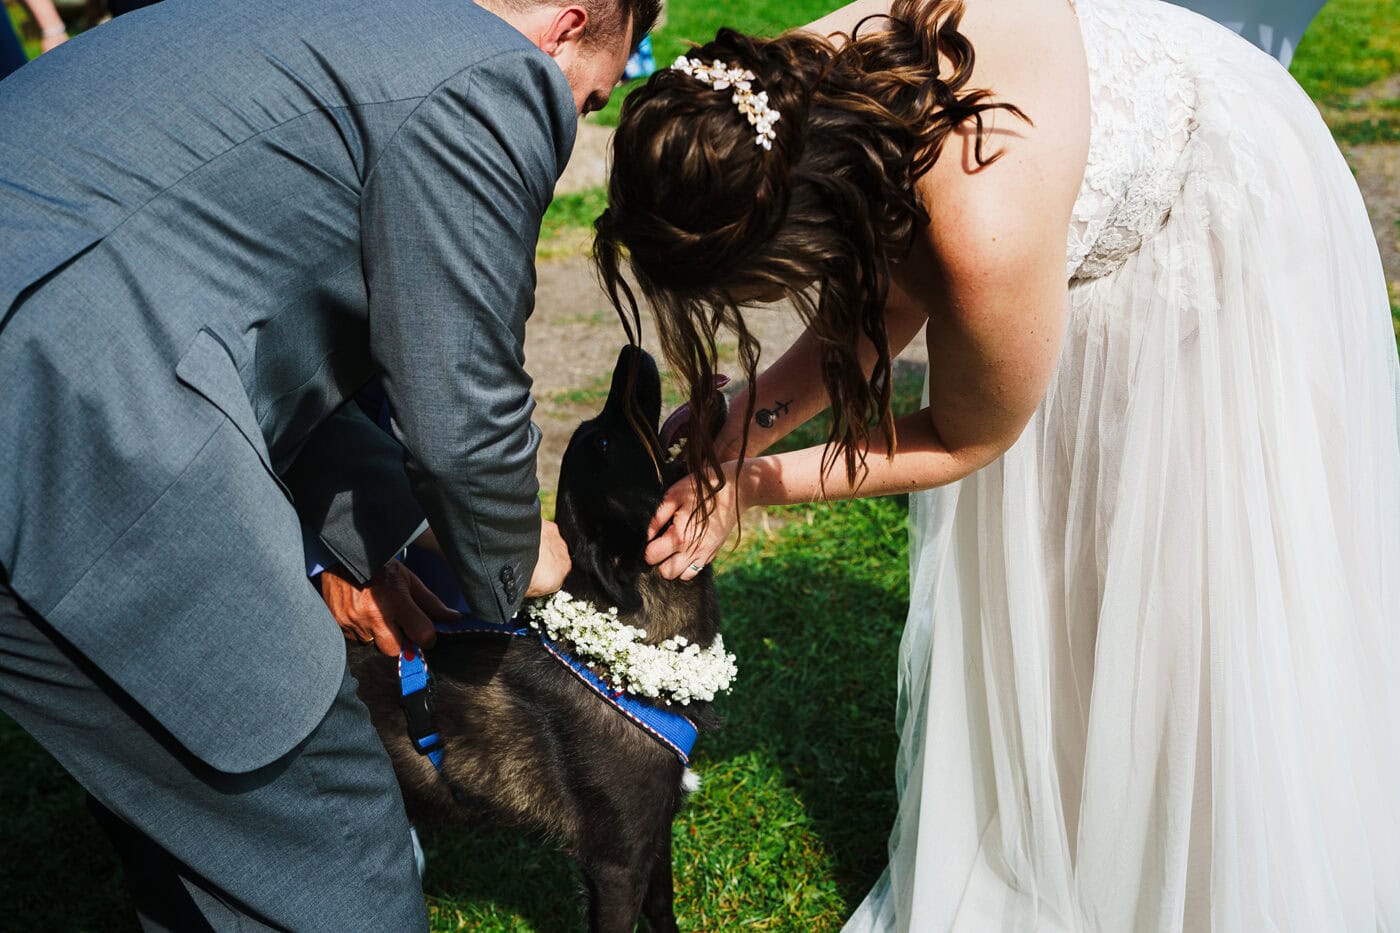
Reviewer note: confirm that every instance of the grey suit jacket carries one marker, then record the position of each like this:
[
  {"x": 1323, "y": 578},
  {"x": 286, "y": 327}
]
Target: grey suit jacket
[{"x": 218, "y": 221}]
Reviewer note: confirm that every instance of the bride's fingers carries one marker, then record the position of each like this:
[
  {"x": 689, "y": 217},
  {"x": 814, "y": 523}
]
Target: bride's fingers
[
  {"x": 658, "y": 551},
  {"x": 693, "y": 553},
  {"x": 675, "y": 539},
  {"x": 665, "y": 544},
  {"x": 686, "y": 565},
  {"x": 677, "y": 567},
  {"x": 663, "y": 514},
  {"x": 671, "y": 553}
]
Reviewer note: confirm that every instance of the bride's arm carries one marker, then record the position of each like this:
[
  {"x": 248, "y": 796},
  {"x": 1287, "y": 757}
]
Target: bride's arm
[
  {"x": 791, "y": 391},
  {"x": 989, "y": 271},
  {"x": 993, "y": 345},
  {"x": 994, "y": 271}
]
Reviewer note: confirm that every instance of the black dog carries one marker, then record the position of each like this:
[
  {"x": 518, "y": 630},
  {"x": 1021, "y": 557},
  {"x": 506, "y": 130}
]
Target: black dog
[{"x": 526, "y": 741}]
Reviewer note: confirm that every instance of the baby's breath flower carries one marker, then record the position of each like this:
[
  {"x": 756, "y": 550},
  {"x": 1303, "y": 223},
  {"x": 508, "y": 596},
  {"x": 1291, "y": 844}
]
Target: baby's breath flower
[{"x": 674, "y": 670}]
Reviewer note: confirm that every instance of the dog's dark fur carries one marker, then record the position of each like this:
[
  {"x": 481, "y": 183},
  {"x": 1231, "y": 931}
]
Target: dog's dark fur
[{"x": 526, "y": 741}]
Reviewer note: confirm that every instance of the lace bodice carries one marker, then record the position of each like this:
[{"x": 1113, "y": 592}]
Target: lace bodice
[{"x": 1142, "y": 58}]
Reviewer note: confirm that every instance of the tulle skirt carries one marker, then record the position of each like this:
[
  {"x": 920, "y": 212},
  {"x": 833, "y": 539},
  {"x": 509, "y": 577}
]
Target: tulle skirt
[{"x": 1151, "y": 673}]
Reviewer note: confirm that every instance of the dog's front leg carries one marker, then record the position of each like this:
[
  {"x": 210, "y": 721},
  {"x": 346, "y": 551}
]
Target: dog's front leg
[
  {"x": 614, "y": 895},
  {"x": 615, "y": 871},
  {"x": 659, "y": 904}
]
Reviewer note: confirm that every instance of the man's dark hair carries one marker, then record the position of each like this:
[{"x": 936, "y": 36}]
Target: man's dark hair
[{"x": 615, "y": 14}]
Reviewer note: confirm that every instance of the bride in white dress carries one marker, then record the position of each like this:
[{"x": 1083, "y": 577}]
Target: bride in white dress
[{"x": 1150, "y": 678}]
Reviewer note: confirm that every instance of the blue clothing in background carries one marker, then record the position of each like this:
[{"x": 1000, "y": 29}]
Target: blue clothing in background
[
  {"x": 642, "y": 61},
  {"x": 11, "y": 51}
]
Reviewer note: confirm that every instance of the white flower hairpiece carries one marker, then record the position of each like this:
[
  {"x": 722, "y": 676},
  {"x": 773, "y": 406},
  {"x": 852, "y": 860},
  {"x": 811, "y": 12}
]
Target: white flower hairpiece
[{"x": 755, "y": 107}]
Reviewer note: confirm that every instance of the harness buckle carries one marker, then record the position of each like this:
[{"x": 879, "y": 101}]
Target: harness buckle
[{"x": 418, "y": 711}]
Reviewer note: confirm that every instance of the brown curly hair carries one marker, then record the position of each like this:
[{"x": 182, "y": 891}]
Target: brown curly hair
[{"x": 705, "y": 218}]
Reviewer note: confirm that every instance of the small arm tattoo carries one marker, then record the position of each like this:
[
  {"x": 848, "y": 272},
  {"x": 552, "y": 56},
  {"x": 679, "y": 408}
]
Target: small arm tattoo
[{"x": 766, "y": 416}]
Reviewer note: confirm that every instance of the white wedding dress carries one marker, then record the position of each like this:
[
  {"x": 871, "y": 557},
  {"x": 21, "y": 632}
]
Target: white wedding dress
[{"x": 1151, "y": 673}]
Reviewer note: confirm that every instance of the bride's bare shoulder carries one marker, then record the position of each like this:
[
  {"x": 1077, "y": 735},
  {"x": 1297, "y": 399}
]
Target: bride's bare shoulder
[
  {"x": 1004, "y": 21},
  {"x": 1028, "y": 53},
  {"x": 843, "y": 19}
]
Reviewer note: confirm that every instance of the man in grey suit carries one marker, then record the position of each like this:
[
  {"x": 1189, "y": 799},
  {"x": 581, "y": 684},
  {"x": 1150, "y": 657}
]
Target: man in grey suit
[{"x": 287, "y": 201}]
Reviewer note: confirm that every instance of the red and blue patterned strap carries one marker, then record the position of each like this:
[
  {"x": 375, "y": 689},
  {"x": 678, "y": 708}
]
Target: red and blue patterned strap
[{"x": 671, "y": 729}]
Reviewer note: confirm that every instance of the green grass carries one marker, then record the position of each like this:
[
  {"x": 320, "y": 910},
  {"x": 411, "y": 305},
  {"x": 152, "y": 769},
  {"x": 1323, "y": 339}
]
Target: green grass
[
  {"x": 19, "y": 18},
  {"x": 1351, "y": 44},
  {"x": 567, "y": 226},
  {"x": 697, "y": 23},
  {"x": 1395, "y": 308},
  {"x": 1348, "y": 62},
  {"x": 1365, "y": 131},
  {"x": 589, "y": 397},
  {"x": 56, "y": 870}
]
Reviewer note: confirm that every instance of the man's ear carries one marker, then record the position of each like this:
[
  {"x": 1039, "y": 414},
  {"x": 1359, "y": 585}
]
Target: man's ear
[{"x": 565, "y": 27}]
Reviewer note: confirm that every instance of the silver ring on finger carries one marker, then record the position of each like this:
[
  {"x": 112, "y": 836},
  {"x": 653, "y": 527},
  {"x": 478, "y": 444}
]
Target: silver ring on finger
[{"x": 697, "y": 567}]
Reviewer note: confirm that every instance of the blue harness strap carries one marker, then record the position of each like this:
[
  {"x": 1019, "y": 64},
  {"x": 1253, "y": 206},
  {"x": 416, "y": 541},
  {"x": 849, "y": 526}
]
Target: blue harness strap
[
  {"x": 416, "y": 698},
  {"x": 470, "y": 625},
  {"x": 673, "y": 730},
  {"x": 670, "y": 729}
]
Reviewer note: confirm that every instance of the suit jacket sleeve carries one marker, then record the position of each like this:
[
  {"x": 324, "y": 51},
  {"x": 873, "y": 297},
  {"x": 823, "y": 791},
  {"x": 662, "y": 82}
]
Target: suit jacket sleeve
[
  {"x": 351, "y": 492},
  {"x": 451, "y": 215}
]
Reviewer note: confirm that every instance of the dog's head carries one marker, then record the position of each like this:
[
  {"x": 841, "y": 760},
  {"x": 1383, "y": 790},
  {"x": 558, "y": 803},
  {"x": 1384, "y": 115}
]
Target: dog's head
[{"x": 614, "y": 473}]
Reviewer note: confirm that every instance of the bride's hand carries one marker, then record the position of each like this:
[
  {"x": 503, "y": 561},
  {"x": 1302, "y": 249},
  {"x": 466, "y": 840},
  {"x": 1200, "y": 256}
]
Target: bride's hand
[{"x": 678, "y": 543}]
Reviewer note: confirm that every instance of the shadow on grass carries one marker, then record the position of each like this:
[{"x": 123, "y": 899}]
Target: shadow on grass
[
  {"x": 57, "y": 870},
  {"x": 815, "y": 617},
  {"x": 494, "y": 878}
]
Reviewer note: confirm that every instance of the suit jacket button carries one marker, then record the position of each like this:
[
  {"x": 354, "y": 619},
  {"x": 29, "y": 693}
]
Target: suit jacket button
[{"x": 508, "y": 582}]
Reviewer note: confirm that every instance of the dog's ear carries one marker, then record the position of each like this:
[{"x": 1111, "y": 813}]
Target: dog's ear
[{"x": 677, "y": 426}]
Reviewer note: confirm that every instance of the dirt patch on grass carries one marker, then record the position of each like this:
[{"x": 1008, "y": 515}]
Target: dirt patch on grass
[
  {"x": 1377, "y": 170},
  {"x": 573, "y": 339}
]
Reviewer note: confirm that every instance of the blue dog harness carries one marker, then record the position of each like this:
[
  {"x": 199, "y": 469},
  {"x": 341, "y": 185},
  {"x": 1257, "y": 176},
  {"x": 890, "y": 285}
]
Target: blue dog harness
[{"x": 673, "y": 730}]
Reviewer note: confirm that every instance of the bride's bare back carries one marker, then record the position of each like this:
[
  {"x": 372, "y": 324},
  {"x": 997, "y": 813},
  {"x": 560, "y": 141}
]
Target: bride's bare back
[{"x": 988, "y": 272}]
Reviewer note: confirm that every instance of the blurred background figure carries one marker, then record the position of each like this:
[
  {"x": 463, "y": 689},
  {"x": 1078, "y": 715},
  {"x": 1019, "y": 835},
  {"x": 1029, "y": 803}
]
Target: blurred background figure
[
  {"x": 52, "y": 33},
  {"x": 1273, "y": 25},
  {"x": 642, "y": 61}
]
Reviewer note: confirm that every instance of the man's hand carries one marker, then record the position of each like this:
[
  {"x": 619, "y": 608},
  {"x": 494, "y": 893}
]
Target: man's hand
[
  {"x": 394, "y": 607},
  {"x": 553, "y": 564}
]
